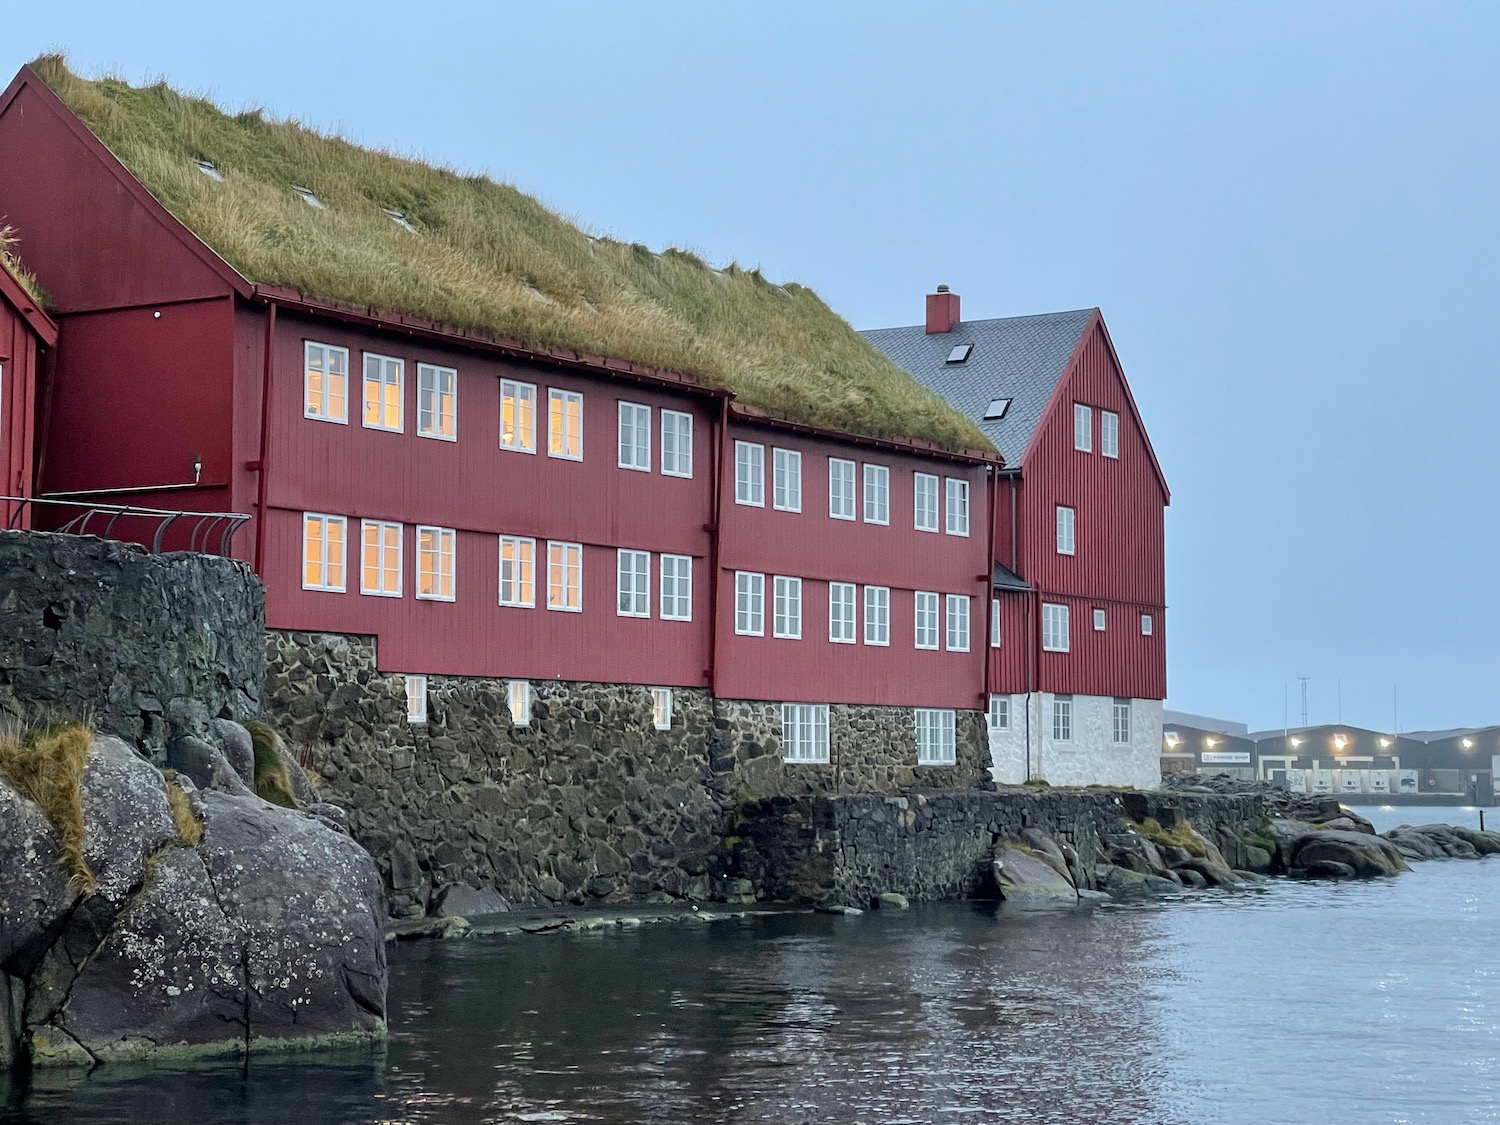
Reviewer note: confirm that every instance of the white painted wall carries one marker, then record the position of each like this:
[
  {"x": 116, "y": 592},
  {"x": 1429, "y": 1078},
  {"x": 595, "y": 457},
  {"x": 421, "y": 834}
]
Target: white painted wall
[{"x": 1092, "y": 757}]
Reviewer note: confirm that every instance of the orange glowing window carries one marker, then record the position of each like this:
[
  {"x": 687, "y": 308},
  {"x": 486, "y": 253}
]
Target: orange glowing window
[
  {"x": 435, "y": 557},
  {"x": 565, "y": 576},
  {"x": 380, "y": 572},
  {"x": 517, "y": 571},
  {"x": 326, "y": 382},
  {"x": 384, "y": 378},
  {"x": 517, "y": 416},
  {"x": 323, "y": 552},
  {"x": 565, "y": 425}
]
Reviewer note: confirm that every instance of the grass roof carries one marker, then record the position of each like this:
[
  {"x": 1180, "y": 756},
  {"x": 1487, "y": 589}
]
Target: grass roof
[
  {"x": 486, "y": 257},
  {"x": 10, "y": 262}
]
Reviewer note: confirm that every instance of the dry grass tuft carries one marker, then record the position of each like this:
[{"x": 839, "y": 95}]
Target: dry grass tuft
[
  {"x": 12, "y": 262},
  {"x": 488, "y": 258},
  {"x": 189, "y": 827},
  {"x": 46, "y": 766},
  {"x": 271, "y": 781}
]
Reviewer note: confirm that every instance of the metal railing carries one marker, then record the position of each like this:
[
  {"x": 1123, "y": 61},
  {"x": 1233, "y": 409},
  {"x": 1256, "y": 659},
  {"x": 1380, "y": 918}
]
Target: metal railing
[{"x": 203, "y": 527}]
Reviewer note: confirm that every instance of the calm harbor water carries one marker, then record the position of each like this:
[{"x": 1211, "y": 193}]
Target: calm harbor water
[{"x": 1374, "y": 1002}]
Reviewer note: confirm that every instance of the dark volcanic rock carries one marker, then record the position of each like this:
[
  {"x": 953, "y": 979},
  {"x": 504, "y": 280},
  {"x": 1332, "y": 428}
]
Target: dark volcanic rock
[
  {"x": 1329, "y": 869},
  {"x": 1368, "y": 856},
  {"x": 208, "y": 768}
]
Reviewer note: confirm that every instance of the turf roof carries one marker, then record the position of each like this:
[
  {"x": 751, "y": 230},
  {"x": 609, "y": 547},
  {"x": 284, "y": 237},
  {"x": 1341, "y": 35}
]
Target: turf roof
[{"x": 486, "y": 257}]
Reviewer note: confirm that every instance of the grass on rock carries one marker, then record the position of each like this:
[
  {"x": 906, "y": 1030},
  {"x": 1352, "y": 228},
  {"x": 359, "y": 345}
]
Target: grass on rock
[
  {"x": 1182, "y": 835},
  {"x": 271, "y": 780},
  {"x": 46, "y": 766}
]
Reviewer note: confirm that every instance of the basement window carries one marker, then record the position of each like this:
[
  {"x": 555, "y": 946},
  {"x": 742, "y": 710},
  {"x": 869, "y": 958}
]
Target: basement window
[
  {"x": 960, "y": 353},
  {"x": 399, "y": 219},
  {"x": 518, "y": 695},
  {"x": 416, "y": 699},
  {"x": 661, "y": 708},
  {"x": 308, "y": 197},
  {"x": 208, "y": 169},
  {"x": 996, "y": 409}
]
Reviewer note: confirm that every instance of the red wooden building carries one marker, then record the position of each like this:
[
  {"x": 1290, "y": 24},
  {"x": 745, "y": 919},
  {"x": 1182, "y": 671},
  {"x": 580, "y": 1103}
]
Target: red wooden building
[
  {"x": 1078, "y": 657},
  {"x": 26, "y": 335}
]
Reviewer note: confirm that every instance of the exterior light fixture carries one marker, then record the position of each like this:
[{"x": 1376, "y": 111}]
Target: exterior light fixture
[
  {"x": 1210, "y": 742},
  {"x": 1296, "y": 742},
  {"x": 1385, "y": 743},
  {"x": 1339, "y": 742},
  {"x": 1468, "y": 744},
  {"x": 1172, "y": 739}
]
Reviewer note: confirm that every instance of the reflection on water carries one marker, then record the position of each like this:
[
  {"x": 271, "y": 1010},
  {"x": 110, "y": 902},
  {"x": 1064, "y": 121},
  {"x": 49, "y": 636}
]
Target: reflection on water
[{"x": 1365, "y": 1003}]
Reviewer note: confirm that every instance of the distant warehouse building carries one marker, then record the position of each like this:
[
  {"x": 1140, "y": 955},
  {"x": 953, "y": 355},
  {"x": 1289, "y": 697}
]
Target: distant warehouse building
[{"x": 1197, "y": 749}]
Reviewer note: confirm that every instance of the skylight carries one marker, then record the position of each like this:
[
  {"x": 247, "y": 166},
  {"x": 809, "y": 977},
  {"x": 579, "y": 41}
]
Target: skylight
[
  {"x": 996, "y": 409},
  {"x": 960, "y": 353},
  {"x": 308, "y": 197},
  {"x": 399, "y": 219},
  {"x": 208, "y": 169}
]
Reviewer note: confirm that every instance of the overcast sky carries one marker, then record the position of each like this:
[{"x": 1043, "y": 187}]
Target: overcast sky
[{"x": 1289, "y": 213}]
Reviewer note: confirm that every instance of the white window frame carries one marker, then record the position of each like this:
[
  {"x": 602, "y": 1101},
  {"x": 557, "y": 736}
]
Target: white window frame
[
  {"x": 1083, "y": 428},
  {"x": 676, "y": 443},
  {"x": 1120, "y": 721},
  {"x": 1062, "y": 718},
  {"x": 382, "y": 527},
  {"x": 676, "y": 587},
  {"x": 571, "y": 555},
  {"x": 878, "y": 616},
  {"x": 1100, "y": 619},
  {"x": 520, "y": 436},
  {"x": 635, "y": 453},
  {"x": 994, "y": 623},
  {"x": 1055, "y": 627},
  {"x": 786, "y": 479},
  {"x": 389, "y": 372},
  {"x": 446, "y": 559},
  {"x": 633, "y": 582},
  {"x": 1109, "y": 434},
  {"x": 926, "y": 608},
  {"x": 956, "y": 506},
  {"x": 523, "y": 572},
  {"x": 750, "y": 474},
  {"x": 661, "y": 708},
  {"x": 841, "y": 500},
  {"x": 842, "y": 614},
  {"x": 956, "y": 623},
  {"x": 804, "y": 733},
  {"x": 325, "y": 352},
  {"x": 1067, "y": 522},
  {"x": 430, "y": 379},
  {"x": 556, "y": 396},
  {"x": 937, "y": 736},
  {"x": 518, "y": 700},
  {"x": 749, "y": 603},
  {"x": 877, "y": 505},
  {"x": 786, "y": 612},
  {"x": 1147, "y": 624},
  {"x": 416, "y": 699},
  {"x": 925, "y": 498},
  {"x": 997, "y": 715},
  {"x": 324, "y": 563}
]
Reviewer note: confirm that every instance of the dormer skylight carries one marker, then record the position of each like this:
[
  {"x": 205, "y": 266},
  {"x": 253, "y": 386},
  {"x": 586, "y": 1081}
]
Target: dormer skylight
[
  {"x": 208, "y": 169},
  {"x": 960, "y": 353},
  {"x": 399, "y": 219},
  {"x": 996, "y": 409},
  {"x": 308, "y": 197}
]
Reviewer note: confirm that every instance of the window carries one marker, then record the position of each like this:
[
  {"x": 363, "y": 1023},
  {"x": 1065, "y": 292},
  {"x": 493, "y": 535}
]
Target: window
[
  {"x": 676, "y": 443},
  {"x": 877, "y": 615},
  {"x": 661, "y": 708},
  {"x": 877, "y": 494},
  {"x": 326, "y": 382},
  {"x": 936, "y": 741},
  {"x": 994, "y": 623},
  {"x": 958, "y": 623},
  {"x": 926, "y": 516},
  {"x": 1121, "y": 725},
  {"x": 518, "y": 695},
  {"x": 517, "y": 571},
  {"x": 996, "y": 409},
  {"x": 399, "y": 218},
  {"x": 635, "y": 437},
  {"x": 840, "y": 488},
  {"x": 1054, "y": 627},
  {"x": 1065, "y": 520},
  {"x": 437, "y": 402},
  {"x": 804, "y": 732},
  {"x": 306, "y": 195},
  {"x": 749, "y": 604},
  {"x": 1062, "y": 718},
  {"x": 959, "y": 353},
  {"x": 1098, "y": 621},
  {"x": 634, "y": 590},
  {"x": 565, "y": 576},
  {"x": 788, "y": 609},
  {"x": 565, "y": 425},
  {"x": 517, "y": 416},
  {"x": 323, "y": 548},
  {"x": 998, "y": 716},
  {"x": 786, "y": 480},
  {"x": 750, "y": 474},
  {"x": 416, "y": 699},
  {"x": 1145, "y": 624},
  {"x": 676, "y": 587},
  {"x": 380, "y": 573},
  {"x": 1083, "y": 427},
  {"x": 927, "y": 619},
  {"x": 958, "y": 507},
  {"x": 1109, "y": 433},
  {"x": 841, "y": 612},
  {"x": 436, "y": 547},
  {"x": 383, "y": 379}
]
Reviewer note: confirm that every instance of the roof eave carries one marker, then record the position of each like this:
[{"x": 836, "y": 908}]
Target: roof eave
[
  {"x": 910, "y": 446},
  {"x": 20, "y": 298}
]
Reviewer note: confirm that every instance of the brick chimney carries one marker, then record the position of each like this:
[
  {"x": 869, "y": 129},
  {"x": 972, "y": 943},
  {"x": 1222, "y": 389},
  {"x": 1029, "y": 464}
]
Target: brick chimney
[{"x": 942, "y": 310}]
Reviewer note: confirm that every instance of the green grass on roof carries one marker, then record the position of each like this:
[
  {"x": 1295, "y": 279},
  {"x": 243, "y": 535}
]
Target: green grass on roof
[
  {"x": 10, "y": 260},
  {"x": 491, "y": 259}
]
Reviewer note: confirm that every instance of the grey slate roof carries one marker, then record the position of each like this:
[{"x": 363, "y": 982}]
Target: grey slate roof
[
  {"x": 1007, "y": 579},
  {"x": 1017, "y": 357}
]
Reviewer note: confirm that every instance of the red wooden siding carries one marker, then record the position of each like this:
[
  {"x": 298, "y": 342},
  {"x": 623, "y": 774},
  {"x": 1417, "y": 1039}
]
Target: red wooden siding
[
  {"x": 1009, "y": 662},
  {"x": 1118, "y": 661},
  {"x": 18, "y": 385}
]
